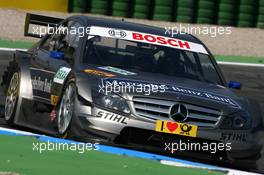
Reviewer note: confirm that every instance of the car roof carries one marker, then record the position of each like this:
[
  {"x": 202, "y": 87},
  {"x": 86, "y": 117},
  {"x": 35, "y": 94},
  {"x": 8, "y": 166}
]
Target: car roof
[{"x": 125, "y": 25}]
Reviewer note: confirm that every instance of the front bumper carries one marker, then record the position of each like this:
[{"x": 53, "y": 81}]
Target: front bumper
[{"x": 94, "y": 123}]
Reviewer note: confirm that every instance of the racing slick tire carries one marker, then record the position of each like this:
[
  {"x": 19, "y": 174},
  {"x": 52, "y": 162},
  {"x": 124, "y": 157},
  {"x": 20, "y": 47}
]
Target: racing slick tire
[
  {"x": 261, "y": 3},
  {"x": 260, "y": 162},
  {"x": 185, "y": 4},
  {"x": 163, "y": 2},
  {"x": 248, "y": 2},
  {"x": 260, "y": 18},
  {"x": 142, "y": 2},
  {"x": 65, "y": 109},
  {"x": 141, "y": 9},
  {"x": 204, "y": 13},
  {"x": 246, "y": 9},
  {"x": 261, "y": 10},
  {"x": 225, "y": 15},
  {"x": 225, "y": 22},
  {"x": 120, "y": 6},
  {"x": 139, "y": 15},
  {"x": 228, "y": 1},
  {"x": 99, "y": 11},
  {"x": 260, "y": 25},
  {"x": 160, "y": 17},
  {"x": 12, "y": 94},
  {"x": 120, "y": 13},
  {"x": 205, "y": 20},
  {"x": 184, "y": 19},
  {"x": 204, "y": 4},
  {"x": 162, "y": 10},
  {"x": 182, "y": 11},
  {"x": 226, "y": 8}
]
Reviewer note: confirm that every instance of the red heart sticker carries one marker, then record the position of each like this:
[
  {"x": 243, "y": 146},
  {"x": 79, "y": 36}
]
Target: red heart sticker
[{"x": 172, "y": 126}]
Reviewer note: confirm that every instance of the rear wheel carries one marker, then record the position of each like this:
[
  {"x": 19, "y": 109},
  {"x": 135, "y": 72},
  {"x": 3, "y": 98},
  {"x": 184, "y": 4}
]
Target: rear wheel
[
  {"x": 66, "y": 109},
  {"x": 12, "y": 98}
]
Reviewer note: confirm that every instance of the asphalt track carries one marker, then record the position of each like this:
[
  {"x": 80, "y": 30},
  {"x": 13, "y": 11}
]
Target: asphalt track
[{"x": 251, "y": 77}]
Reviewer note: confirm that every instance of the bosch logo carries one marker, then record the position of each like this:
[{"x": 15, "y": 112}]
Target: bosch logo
[
  {"x": 179, "y": 112},
  {"x": 117, "y": 33}
]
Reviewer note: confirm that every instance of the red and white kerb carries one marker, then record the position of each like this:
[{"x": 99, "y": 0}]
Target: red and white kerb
[{"x": 147, "y": 38}]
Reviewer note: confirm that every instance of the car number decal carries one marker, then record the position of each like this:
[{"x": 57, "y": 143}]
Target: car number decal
[{"x": 61, "y": 75}]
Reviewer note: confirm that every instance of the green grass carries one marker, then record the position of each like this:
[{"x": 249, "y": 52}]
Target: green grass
[
  {"x": 17, "y": 155},
  {"x": 239, "y": 59},
  {"x": 16, "y": 44}
]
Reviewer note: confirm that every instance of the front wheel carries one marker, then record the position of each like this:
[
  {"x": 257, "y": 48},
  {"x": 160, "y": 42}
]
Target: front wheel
[
  {"x": 11, "y": 99},
  {"x": 66, "y": 109}
]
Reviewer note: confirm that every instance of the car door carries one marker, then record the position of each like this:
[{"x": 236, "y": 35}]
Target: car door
[{"x": 45, "y": 63}]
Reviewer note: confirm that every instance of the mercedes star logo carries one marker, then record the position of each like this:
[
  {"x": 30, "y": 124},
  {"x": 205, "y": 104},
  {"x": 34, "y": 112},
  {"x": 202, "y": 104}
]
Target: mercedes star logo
[{"x": 178, "y": 112}]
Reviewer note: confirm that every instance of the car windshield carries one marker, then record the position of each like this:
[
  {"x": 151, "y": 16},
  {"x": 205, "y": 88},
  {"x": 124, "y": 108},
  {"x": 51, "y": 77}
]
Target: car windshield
[{"x": 138, "y": 56}]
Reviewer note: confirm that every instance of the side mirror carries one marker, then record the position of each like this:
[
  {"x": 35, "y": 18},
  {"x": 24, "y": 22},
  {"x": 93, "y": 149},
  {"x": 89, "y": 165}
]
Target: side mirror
[
  {"x": 234, "y": 85},
  {"x": 56, "y": 55}
]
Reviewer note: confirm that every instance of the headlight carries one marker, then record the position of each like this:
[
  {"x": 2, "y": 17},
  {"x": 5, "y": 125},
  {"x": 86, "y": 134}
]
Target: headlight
[
  {"x": 239, "y": 120},
  {"x": 112, "y": 101}
]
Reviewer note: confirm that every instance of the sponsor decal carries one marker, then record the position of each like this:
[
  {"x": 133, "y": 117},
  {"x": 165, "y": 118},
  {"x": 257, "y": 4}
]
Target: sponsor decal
[
  {"x": 177, "y": 89},
  {"x": 234, "y": 136},
  {"x": 41, "y": 81},
  {"x": 61, "y": 75},
  {"x": 117, "y": 70},
  {"x": 207, "y": 95},
  {"x": 117, "y": 33},
  {"x": 98, "y": 72},
  {"x": 112, "y": 117},
  {"x": 148, "y": 38},
  {"x": 160, "y": 40},
  {"x": 40, "y": 85},
  {"x": 53, "y": 115},
  {"x": 176, "y": 128},
  {"x": 54, "y": 99}
]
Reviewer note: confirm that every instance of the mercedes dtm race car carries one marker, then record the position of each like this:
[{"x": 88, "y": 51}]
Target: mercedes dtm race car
[{"x": 119, "y": 82}]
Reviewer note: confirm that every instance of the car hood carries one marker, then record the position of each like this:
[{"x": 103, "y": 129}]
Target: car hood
[{"x": 170, "y": 88}]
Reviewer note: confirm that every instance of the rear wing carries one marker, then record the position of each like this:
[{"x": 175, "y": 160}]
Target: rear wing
[{"x": 38, "y": 21}]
